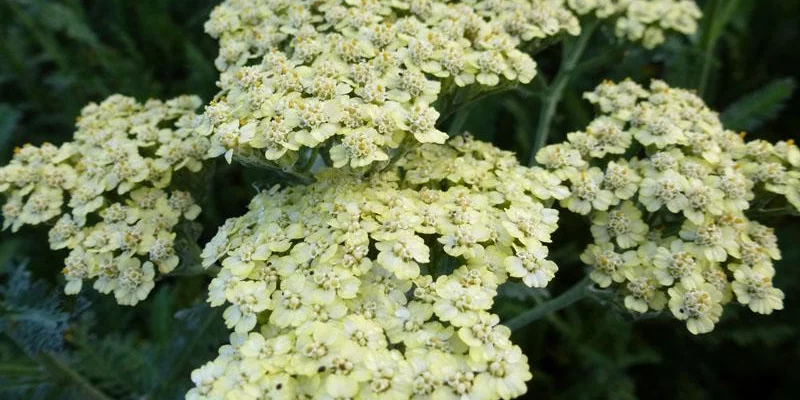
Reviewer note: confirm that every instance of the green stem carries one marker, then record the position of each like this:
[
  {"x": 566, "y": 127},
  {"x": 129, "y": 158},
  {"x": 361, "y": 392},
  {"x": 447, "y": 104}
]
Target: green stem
[
  {"x": 708, "y": 50},
  {"x": 312, "y": 158},
  {"x": 195, "y": 270},
  {"x": 257, "y": 161},
  {"x": 304, "y": 179},
  {"x": 718, "y": 19},
  {"x": 573, "y": 294},
  {"x": 788, "y": 211},
  {"x": 569, "y": 61},
  {"x": 460, "y": 100},
  {"x": 57, "y": 365}
]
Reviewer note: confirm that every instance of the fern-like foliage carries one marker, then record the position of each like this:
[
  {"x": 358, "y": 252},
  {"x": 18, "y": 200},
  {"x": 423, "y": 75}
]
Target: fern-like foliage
[
  {"x": 50, "y": 349},
  {"x": 32, "y": 315},
  {"x": 760, "y": 106},
  {"x": 33, "y": 324}
]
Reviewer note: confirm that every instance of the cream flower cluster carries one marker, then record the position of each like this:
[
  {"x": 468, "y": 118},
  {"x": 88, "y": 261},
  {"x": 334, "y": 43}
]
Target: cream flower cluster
[
  {"x": 381, "y": 286},
  {"x": 358, "y": 79},
  {"x": 668, "y": 191},
  {"x": 645, "y": 21},
  {"x": 109, "y": 192}
]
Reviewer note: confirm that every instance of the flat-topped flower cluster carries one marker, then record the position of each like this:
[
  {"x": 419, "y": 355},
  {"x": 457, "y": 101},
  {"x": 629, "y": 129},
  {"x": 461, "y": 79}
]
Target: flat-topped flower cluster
[
  {"x": 110, "y": 192},
  {"x": 359, "y": 79},
  {"x": 668, "y": 191},
  {"x": 377, "y": 279},
  {"x": 644, "y": 21},
  {"x": 381, "y": 286}
]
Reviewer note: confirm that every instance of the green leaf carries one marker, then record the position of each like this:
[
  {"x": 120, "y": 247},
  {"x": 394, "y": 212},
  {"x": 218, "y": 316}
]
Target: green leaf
[
  {"x": 60, "y": 17},
  {"x": 756, "y": 108}
]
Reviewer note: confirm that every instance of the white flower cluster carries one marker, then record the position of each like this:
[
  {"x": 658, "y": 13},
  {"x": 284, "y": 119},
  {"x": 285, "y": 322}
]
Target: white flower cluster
[
  {"x": 645, "y": 21},
  {"x": 358, "y": 79},
  {"x": 381, "y": 287},
  {"x": 109, "y": 192},
  {"x": 667, "y": 189}
]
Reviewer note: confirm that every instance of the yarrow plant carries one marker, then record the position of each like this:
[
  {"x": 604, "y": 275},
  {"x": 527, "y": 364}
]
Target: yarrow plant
[
  {"x": 668, "y": 191},
  {"x": 373, "y": 269},
  {"x": 382, "y": 286},
  {"x": 360, "y": 79},
  {"x": 644, "y": 21},
  {"x": 110, "y": 195}
]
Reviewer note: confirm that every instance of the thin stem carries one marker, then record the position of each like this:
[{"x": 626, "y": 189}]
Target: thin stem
[
  {"x": 572, "y": 54},
  {"x": 54, "y": 363},
  {"x": 252, "y": 160},
  {"x": 718, "y": 19},
  {"x": 787, "y": 211},
  {"x": 708, "y": 50},
  {"x": 573, "y": 294},
  {"x": 312, "y": 158},
  {"x": 304, "y": 179},
  {"x": 194, "y": 270},
  {"x": 457, "y": 102}
]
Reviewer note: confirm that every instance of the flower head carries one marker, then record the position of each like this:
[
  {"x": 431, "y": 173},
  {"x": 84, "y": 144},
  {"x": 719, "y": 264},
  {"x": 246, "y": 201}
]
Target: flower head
[
  {"x": 111, "y": 191},
  {"x": 363, "y": 79},
  {"x": 685, "y": 185},
  {"x": 382, "y": 285}
]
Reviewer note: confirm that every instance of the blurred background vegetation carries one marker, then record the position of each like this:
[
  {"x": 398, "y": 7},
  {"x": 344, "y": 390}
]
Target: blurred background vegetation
[{"x": 56, "y": 56}]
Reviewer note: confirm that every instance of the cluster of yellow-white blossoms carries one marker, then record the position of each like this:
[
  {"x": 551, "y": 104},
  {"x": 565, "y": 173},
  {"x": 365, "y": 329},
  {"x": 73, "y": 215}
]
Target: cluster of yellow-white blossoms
[
  {"x": 381, "y": 286},
  {"x": 668, "y": 190},
  {"x": 109, "y": 193},
  {"x": 645, "y": 21},
  {"x": 358, "y": 79}
]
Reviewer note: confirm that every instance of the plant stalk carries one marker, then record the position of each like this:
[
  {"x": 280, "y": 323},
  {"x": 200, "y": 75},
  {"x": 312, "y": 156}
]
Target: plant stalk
[
  {"x": 719, "y": 18},
  {"x": 569, "y": 61},
  {"x": 52, "y": 362},
  {"x": 573, "y": 294}
]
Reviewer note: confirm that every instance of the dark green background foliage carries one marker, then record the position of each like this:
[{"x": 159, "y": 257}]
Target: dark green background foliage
[{"x": 56, "y": 56}]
